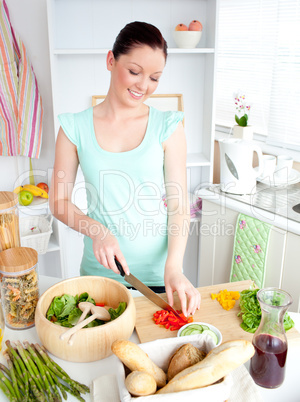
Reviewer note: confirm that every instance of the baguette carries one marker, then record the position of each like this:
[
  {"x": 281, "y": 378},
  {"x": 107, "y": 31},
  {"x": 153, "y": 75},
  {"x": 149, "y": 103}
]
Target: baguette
[
  {"x": 137, "y": 360},
  {"x": 139, "y": 383},
  {"x": 219, "y": 362}
]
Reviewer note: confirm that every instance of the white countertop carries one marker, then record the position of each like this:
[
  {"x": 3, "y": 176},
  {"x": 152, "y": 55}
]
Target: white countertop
[
  {"x": 86, "y": 372},
  {"x": 237, "y": 203}
]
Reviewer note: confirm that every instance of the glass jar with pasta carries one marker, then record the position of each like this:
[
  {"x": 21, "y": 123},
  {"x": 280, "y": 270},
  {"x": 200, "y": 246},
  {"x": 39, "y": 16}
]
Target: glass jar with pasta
[
  {"x": 19, "y": 286},
  {"x": 9, "y": 220}
]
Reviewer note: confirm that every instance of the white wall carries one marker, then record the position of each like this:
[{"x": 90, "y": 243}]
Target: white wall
[{"x": 29, "y": 20}]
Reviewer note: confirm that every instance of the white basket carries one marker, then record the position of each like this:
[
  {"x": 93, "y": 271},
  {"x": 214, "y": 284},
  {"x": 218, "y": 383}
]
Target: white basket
[{"x": 38, "y": 241}]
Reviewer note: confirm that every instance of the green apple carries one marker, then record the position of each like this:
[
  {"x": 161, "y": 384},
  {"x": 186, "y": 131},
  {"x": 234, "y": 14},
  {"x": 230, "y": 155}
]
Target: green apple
[{"x": 25, "y": 197}]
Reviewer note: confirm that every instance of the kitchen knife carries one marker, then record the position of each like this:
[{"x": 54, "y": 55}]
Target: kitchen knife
[{"x": 141, "y": 287}]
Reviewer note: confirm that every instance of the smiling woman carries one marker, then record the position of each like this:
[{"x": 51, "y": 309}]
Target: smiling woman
[
  {"x": 163, "y": 102},
  {"x": 130, "y": 154}
]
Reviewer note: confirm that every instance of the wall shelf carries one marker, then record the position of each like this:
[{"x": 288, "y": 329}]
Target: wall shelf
[{"x": 53, "y": 244}]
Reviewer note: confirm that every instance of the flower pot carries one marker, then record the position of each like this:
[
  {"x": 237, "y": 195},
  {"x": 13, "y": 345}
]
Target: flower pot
[{"x": 245, "y": 133}]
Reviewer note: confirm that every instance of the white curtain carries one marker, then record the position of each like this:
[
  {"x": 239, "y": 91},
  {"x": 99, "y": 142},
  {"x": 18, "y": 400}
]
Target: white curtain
[{"x": 259, "y": 55}]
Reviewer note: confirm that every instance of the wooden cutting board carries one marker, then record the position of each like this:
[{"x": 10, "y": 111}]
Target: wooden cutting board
[{"x": 210, "y": 311}]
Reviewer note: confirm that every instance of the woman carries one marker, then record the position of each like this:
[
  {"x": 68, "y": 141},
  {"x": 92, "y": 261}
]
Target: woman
[{"x": 129, "y": 154}]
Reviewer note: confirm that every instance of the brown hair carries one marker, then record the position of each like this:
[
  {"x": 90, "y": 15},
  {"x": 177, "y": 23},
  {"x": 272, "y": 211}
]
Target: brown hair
[{"x": 136, "y": 34}]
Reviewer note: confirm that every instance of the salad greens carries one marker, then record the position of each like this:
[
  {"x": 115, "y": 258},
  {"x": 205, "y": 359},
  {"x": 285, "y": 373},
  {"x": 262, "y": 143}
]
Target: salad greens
[
  {"x": 64, "y": 310},
  {"x": 251, "y": 312},
  {"x": 115, "y": 313}
]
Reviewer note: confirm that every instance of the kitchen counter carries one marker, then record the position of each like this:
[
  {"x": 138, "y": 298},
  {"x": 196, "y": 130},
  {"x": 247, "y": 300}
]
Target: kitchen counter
[
  {"x": 273, "y": 205},
  {"x": 86, "y": 372}
]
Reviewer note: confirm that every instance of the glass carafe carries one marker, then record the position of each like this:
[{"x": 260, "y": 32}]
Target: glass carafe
[{"x": 267, "y": 366}]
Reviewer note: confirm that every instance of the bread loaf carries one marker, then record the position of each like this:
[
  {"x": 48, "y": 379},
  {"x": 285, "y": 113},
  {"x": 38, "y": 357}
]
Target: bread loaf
[
  {"x": 137, "y": 360},
  {"x": 186, "y": 356},
  {"x": 139, "y": 383},
  {"x": 219, "y": 362}
]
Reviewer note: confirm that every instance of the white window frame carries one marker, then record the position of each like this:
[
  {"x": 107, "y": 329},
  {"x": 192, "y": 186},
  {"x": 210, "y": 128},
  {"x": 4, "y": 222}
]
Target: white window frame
[{"x": 223, "y": 131}]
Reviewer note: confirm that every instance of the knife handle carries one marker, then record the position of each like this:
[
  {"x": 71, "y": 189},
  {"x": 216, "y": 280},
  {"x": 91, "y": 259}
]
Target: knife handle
[{"x": 120, "y": 268}]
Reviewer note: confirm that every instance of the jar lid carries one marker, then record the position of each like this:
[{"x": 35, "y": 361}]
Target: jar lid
[
  {"x": 8, "y": 199},
  {"x": 18, "y": 259}
]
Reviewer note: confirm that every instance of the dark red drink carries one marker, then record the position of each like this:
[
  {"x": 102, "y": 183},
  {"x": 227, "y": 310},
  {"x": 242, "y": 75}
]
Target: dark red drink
[{"x": 267, "y": 366}]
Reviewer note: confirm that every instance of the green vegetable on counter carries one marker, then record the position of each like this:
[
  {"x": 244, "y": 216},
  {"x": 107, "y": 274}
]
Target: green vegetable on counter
[
  {"x": 251, "y": 312},
  {"x": 64, "y": 310},
  {"x": 31, "y": 375}
]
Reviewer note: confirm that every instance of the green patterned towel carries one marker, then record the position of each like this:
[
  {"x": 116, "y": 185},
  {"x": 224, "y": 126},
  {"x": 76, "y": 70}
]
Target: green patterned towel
[{"x": 250, "y": 250}]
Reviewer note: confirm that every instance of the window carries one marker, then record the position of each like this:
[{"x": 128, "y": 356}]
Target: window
[{"x": 259, "y": 54}]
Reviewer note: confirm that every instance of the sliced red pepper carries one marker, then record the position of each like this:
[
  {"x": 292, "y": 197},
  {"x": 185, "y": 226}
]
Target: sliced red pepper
[
  {"x": 100, "y": 304},
  {"x": 169, "y": 320}
]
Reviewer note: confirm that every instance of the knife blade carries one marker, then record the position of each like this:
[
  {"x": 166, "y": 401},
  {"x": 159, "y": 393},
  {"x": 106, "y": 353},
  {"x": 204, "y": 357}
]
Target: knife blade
[{"x": 145, "y": 290}]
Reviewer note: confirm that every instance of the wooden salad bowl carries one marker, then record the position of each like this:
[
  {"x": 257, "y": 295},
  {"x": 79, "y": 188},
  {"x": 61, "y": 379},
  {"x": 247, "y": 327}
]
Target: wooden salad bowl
[{"x": 88, "y": 344}]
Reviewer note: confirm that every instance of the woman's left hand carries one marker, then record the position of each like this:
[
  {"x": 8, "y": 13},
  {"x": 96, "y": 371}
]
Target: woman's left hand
[{"x": 189, "y": 296}]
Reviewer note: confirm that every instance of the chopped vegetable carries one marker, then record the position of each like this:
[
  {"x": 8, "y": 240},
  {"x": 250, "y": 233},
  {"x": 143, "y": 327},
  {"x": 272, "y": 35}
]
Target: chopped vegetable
[
  {"x": 169, "y": 320},
  {"x": 118, "y": 311},
  {"x": 64, "y": 310},
  {"x": 251, "y": 312},
  {"x": 195, "y": 329},
  {"x": 226, "y": 298}
]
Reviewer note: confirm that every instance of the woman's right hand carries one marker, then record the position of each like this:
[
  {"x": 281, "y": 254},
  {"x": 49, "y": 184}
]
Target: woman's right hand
[{"x": 106, "y": 248}]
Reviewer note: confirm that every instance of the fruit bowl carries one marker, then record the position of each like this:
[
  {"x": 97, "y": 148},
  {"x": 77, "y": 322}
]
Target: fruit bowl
[
  {"x": 187, "y": 39},
  {"x": 198, "y": 328},
  {"x": 88, "y": 344}
]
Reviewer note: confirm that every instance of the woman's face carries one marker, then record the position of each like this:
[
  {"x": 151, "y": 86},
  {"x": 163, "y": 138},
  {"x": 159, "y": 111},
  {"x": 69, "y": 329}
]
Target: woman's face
[{"x": 135, "y": 76}]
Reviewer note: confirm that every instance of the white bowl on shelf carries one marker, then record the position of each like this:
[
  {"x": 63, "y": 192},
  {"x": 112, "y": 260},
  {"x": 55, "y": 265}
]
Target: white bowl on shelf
[{"x": 187, "y": 39}]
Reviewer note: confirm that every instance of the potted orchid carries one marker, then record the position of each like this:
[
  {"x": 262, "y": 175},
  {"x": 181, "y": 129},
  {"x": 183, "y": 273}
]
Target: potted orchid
[{"x": 242, "y": 129}]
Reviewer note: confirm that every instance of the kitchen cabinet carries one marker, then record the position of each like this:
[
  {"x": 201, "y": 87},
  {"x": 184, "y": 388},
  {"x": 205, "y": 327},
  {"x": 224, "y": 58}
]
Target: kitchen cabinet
[
  {"x": 217, "y": 239},
  {"x": 80, "y": 34}
]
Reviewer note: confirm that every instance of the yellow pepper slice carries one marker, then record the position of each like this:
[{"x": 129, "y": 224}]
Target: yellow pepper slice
[{"x": 226, "y": 298}]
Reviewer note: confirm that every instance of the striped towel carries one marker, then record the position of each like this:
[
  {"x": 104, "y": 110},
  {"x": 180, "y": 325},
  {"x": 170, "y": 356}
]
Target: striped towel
[{"x": 21, "y": 111}]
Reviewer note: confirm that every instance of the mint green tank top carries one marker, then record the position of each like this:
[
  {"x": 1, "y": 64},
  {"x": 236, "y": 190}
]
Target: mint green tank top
[{"x": 125, "y": 193}]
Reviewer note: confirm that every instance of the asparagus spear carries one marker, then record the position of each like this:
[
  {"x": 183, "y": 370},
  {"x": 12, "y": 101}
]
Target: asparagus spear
[
  {"x": 4, "y": 369},
  {"x": 32, "y": 375},
  {"x": 7, "y": 372},
  {"x": 9, "y": 386},
  {"x": 37, "y": 394},
  {"x": 13, "y": 376},
  {"x": 64, "y": 377},
  {"x": 30, "y": 367},
  {"x": 6, "y": 391},
  {"x": 87, "y": 389},
  {"x": 59, "y": 385},
  {"x": 18, "y": 362},
  {"x": 40, "y": 366},
  {"x": 73, "y": 392}
]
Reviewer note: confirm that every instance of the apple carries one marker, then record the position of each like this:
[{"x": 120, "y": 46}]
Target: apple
[
  {"x": 195, "y": 25},
  {"x": 181, "y": 27},
  {"x": 43, "y": 186},
  {"x": 25, "y": 197}
]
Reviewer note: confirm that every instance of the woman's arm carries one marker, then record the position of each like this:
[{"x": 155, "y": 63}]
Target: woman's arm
[
  {"x": 105, "y": 245},
  {"x": 178, "y": 222}
]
